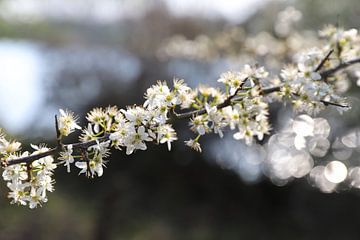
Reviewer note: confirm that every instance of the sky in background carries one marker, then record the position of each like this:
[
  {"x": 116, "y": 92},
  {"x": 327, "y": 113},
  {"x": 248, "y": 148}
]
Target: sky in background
[{"x": 20, "y": 84}]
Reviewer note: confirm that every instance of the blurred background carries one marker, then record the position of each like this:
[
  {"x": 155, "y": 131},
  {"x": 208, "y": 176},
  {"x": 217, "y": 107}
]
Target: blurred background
[{"x": 80, "y": 54}]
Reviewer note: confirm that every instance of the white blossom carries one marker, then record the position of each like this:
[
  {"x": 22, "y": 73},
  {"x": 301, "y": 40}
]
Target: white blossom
[
  {"x": 136, "y": 139},
  {"x": 166, "y": 134},
  {"x": 66, "y": 157},
  {"x": 67, "y": 122},
  {"x": 194, "y": 144}
]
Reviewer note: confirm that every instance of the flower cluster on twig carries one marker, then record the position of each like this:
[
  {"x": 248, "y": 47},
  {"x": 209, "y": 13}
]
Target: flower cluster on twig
[{"x": 242, "y": 105}]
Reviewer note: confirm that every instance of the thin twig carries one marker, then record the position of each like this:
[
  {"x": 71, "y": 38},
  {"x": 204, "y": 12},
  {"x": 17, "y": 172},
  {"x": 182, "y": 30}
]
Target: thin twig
[
  {"x": 321, "y": 64},
  {"x": 331, "y": 71},
  {"x": 226, "y": 103},
  {"x": 58, "y": 133},
  {"x": 326, "y": 103},
  {"x": 34, "y": 157},
  {"x": 334, "y": 104},
  {"x": 271, "y": 89},
  {"x": 56, "y": 150}
]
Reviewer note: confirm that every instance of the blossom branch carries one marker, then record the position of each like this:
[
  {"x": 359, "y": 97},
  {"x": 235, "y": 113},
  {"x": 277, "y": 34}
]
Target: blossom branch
[
  {"x": 341, "y": 66},
  {"x": 226, "y": 103},
  {"x": 30, "y": 158},
  {"x": 84, "y": 145},
  {"x": 53, "y": 151}
]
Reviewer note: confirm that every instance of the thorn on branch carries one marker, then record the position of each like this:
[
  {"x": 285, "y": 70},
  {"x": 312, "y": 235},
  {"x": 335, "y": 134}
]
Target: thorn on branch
[
  {"x": 58, "y": 133},
  {"x": 326, "y": 103}
]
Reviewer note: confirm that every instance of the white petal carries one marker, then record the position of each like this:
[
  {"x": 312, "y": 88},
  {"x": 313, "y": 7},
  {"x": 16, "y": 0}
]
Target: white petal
[
  {"x": 96, "y": 128},
  {"x": 142, "y": 146},
  {"x": 238, "y": 135},
  {"x": 34, "y": 146},
  {"x": 99, "y": 171},
  {"x": 82, "y": 165},
  {"x": 201, "y": 130},
  {"x": 141, "y": 130},
  {"x": 130, "y": 149},
  {"x": 62, "y": 112}
]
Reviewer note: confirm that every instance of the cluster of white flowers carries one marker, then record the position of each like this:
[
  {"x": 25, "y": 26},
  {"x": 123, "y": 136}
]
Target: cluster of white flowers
[
  {"x": 247, "y": 113},
  {"x": 129, "y": 128},
  {"x": 29, "y": 184},
  {"x": 304, "y": 85},
  {"x": 235, "y": 80},
  {"x": 346, "y": 43},
  {"x": 8, "y": 148},
  {"x": 149, "y": 123},
  {"x": 94, "y": 161}
]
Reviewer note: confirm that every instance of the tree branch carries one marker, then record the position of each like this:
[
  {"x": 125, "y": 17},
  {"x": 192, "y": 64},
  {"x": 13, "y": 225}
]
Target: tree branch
[
  {"x": 226, "y": 103},
  {"x": 53, "y": 151},
  {"x": 84, "y": 145},
  {"x": 331, "y": 71},
  {"x": 31, "y": 158},
  {"x": 326, "y": 103}
]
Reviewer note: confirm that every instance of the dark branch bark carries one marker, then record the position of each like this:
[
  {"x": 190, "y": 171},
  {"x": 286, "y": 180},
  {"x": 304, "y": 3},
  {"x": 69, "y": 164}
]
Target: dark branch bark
[
  {"x": 331, "y": 71},
  {"x": 32, "y": 158},
  {"x": 53, "y": 151},
  {"x": 324, "y": 60},
  {"x": 334, "y": 104},
  {"x": 226, "y": 103}
]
